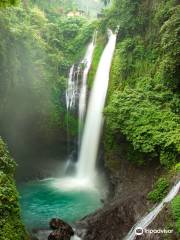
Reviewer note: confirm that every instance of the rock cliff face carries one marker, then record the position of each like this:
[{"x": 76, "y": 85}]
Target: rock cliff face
[{"x": 126, "y": 204}]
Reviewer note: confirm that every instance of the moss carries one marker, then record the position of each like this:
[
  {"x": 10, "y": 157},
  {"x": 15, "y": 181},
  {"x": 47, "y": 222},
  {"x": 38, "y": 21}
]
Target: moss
[
  {"x": 177, "y": 168},
  {"x": 7, "y": 164},
  {"x": 159, "y": 191},
  {"x": 175, "y": 206}
]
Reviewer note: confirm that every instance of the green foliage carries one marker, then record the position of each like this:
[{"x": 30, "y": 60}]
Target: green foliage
[
  {"x": 8, "y": 3},
  {"x": 147, "y": 126},
  {"x": 169, "y": 65},
  {"x": 126, "y": 14},
  {"x": 36, "y": 52},
  {"x": 177, "y": 167},
  {"x": 143, "y": 101},
  {"x": 135, "y": 156},
  {"x": 7, "y": 164},
  {"x": 10, "y": 221},
  {"x": 175, "y": 206},
  {"x": 159, "y": 191}
]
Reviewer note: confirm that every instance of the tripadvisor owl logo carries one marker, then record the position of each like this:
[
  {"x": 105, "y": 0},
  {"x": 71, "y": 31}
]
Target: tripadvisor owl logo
[{"x": 139, "y": 231}]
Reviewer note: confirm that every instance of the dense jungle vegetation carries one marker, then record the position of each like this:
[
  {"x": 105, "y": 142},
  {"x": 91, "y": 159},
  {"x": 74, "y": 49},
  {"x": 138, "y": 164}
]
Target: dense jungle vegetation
[
  {"x": 10, "y": 221},
  {"x": 143, "y": 104},
  {"x": 37, "y": 49},
  {"x": 38, "y": 44}
]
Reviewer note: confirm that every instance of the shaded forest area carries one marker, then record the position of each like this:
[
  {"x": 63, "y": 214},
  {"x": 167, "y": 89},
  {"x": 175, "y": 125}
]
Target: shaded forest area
[
  {"x": 143, "y": 103},
  {"x": 37, "y": 49}
]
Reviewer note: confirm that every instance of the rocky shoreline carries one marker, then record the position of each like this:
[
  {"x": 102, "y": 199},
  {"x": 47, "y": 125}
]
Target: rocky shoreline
[
  {"x": 59, "y": 230},
  {"x": 126, "y": 204}
]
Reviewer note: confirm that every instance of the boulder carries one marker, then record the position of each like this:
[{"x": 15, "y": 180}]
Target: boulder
[
  {"x": 62, "y": 230},
  {"x": 56, "y": 223}
]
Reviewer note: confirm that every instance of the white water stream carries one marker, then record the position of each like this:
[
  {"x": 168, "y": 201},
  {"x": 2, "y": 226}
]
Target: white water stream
[
  {"x": 83, "y": 88},
  {"x": 71, "y": 90},
  {"x": 77, "y": 90},
  {"x": 148, "y": 219},
  {"x": 94, "y": 119}
]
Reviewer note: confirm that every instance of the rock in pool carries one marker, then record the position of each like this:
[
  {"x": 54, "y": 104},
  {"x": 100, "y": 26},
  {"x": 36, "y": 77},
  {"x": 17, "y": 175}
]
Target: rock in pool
[{"x": 62, "y": 230}]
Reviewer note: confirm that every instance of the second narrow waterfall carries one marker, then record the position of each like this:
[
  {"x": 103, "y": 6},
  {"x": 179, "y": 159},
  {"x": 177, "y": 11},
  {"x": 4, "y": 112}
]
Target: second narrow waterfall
[
  {"x": 148, "y": 219},
  {"x": 71, "y": 90},
  {"x": 83, "y": 88},
  {"x": 94, "y": 119},
  {"x": 76, "y": 93}
]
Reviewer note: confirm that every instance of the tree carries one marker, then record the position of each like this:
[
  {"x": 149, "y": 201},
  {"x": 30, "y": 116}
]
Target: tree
[{"x": 7, "y": 3}]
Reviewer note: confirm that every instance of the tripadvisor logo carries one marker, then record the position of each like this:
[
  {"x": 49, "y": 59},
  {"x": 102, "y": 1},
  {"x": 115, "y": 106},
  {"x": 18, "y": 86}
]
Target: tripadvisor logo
[{"x": 139, "y": 231}]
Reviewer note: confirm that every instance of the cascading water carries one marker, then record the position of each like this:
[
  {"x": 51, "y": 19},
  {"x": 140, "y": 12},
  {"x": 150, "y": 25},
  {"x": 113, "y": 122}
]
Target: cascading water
[
  {"x": 77, "y": 87},
  {"x": 83, "y": 88},
  {"x": 148, "y": 219},
  {"x": 73, "y": 197},
  {"x": 94, "y": 118},
  {"x": 71, "y": 90}
]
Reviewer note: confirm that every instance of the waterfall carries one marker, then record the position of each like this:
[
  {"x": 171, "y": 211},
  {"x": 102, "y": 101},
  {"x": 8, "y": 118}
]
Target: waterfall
[
  {"x": 77, "y": 88},
  {"x": 94, "y": 117},
  {"x": 73, "y": 81},
  {"x": 83, "y": 88},
  {"x": 148, "y": 219},
  {"x": 70, "y": 91}
]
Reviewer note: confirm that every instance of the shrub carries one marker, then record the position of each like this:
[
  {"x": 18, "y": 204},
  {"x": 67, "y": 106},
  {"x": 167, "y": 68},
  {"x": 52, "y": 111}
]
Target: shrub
[
  {"x": 175, "y": 205},
  {"x": 7, "y": 164},
  {"x": 8, "y": 3},
  {"x": 10, "y": 220},
  {"x": 159, "y": 191}
]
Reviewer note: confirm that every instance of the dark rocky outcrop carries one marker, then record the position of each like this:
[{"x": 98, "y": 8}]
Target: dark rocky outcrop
[
  {"x": 59, "y": 230},
  {"x": 113, "y": 221},
  {"x": 127, "y": 203},
  {"x": 62, "y": 230},
  {"x": 56, "y": 223}
]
